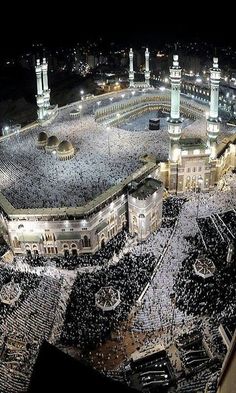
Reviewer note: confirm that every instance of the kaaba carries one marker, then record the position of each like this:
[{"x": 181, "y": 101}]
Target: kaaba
[{"x": 154, "y": 124}]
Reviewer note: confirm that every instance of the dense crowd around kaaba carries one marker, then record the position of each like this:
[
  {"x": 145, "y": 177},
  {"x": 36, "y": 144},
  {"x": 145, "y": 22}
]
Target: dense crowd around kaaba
[
  {"x": 214, "y": 296},
  {"x": 86, "y": 325}
]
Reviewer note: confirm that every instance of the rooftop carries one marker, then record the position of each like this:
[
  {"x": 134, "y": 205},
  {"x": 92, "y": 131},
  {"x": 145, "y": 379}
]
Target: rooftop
[
  {"x": 146, "y": 188},
  {"x": 192, "y": 144}
]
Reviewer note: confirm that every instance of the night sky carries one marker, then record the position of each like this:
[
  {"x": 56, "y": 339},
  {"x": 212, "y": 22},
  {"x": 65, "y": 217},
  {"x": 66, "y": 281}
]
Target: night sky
[{"x": 150, "y": 23}]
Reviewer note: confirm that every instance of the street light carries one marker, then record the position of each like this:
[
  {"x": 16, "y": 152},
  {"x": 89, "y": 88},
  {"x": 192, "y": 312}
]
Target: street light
[
  {"x": 200, "y": 182},
  {"x": 82, "y": 94},
  {"x": 141, "y": 217}
]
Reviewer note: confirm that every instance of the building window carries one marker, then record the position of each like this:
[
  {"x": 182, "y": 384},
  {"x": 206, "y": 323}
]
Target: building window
[
  {"x": 16, "y": 242},
  {"x": 86, "y": 241},
  {"x": 48, "y": 235}
]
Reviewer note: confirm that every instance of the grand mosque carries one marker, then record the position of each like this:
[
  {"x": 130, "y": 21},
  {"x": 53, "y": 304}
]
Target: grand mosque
[{"x": 63, "y": 208}]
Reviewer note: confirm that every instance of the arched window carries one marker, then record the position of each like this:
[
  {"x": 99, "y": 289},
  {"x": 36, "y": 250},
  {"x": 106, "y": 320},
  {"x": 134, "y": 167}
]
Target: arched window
[
  {"x": 112, "y": 218},
  {"x": 86, "y": 242},
  {"x": 48, "y": 235},
  {"x": 16, "y": 242}
]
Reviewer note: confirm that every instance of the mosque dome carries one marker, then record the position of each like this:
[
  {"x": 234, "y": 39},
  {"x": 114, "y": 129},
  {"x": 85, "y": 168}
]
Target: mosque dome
[
  {"x": 64, "y": 146},
  {"x": 53, "y": 141},
  {"x": 42, "y": 139},
  {"x": 42, "y": 136},
  {"x": 65, "y": 150}
]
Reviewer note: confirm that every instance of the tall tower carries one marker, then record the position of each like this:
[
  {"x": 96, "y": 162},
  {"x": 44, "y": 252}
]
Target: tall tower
[
  {"x": 39, "y": 96},
  {"x": 213, "y": 119},
  {"x": 131, "y": 68},
  {"x": 147, "y": 72},
  {"x": 175, "y": 122},
  {"x": 46, "y": 90}
]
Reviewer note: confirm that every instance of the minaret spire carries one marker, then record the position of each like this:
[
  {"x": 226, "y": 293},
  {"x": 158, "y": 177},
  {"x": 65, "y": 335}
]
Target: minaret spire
[
  {"x": 46, "y": 91},
  {"x": 175, "y": 122},
  {"x": 213, "y": 119},
  {"x": 131, "y": 68},
  {"x": 39, "y": 96},
  {"x": 147, "y": 71}
]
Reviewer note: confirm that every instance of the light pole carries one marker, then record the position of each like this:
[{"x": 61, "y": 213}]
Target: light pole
[
  {"x": 82, "y": 95},
  {"x": 200, "y": 182},
  {"x": 141, "y": 217}
]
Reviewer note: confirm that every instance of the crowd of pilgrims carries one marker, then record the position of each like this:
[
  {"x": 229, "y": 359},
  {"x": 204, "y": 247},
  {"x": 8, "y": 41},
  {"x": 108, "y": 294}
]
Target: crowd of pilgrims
[
  {"x": 157, "y": 311},
  {"x": 86, "y": 325},
  {"x": 214, "y": 296},
  {"x": 24, "y": 325},
  {"x": 103, "y": 157},
  {"x": 170, "y": 210},
  {"x": 26, "y": 281}
]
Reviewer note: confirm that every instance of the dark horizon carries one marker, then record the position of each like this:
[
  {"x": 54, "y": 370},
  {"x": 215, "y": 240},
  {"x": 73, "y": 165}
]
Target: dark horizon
[{"x": 58, "y": 27}]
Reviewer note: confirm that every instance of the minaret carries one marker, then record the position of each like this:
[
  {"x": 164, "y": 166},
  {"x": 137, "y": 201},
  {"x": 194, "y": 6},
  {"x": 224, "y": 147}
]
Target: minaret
[
  {"x": 213, "y": 120},
  {"x": 46, "y": 91},
  {"x": 39, "y": 96},
  {"x": 147, "y": 72},
  {"x": 175, "y": 122},
  {"x": 131, "y": 68}
]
